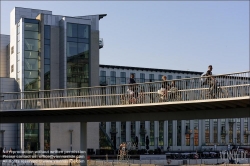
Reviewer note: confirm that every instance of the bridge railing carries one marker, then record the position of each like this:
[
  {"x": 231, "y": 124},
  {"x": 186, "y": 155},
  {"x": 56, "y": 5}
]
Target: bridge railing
[{"x": 179, "y": 90}]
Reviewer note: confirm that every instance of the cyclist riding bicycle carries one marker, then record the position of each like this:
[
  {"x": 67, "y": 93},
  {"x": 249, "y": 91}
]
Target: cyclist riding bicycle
[{"x": 210, "y": 81}]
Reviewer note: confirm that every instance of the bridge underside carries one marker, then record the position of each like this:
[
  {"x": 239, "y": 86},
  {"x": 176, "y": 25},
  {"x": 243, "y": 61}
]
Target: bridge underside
[{"x": 203, "y": 109}]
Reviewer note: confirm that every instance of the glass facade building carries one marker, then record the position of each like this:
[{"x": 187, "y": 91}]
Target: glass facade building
[{"x": 51, "y": 52}]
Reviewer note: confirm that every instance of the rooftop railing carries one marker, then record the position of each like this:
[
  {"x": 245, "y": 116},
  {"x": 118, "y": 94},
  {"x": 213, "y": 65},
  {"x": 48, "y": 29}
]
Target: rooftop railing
[{"x": 187, "y": 89}]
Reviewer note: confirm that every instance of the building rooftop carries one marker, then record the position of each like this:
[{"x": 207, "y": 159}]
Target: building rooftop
[{"x": 150, "y": 69}]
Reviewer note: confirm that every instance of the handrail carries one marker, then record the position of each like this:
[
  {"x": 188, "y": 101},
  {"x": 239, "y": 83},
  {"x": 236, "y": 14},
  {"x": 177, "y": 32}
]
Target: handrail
[
  {"x": 142, "y": 93},
  {"x": 105, "y": 95}
]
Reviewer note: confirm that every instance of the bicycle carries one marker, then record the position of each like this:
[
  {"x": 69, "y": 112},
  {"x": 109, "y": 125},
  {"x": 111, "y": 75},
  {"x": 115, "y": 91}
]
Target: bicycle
[{"x": 211, "y": 93}]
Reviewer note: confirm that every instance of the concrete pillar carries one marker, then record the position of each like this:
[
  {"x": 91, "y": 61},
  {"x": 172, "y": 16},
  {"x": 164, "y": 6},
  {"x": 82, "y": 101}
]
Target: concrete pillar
[
  {"x": 108, "y": 126},
  {"x": 219, "y": 131},
  {"x": 128, "y": 131},
  {"x": 166, "y": 134},
  {"x": 83, "y": 143},
  {"x": 183, "y": 136},
  {"x": 192, "y": 135},
  {"x": 22, "y": 136},
  {"x": 227, "y": 129},
  {"x": 211, "y": 130},
  {"x": 242, "y": 130},
  {"x": 118, "y": 135},
  {"x": 156, "y": 129},
  {"x": 235, "y": 130},
  {"x": 147, "y": 127},
  {"x": 137, "y": 133},
  {"x": 41, "y": 136},
  {"x": 174, "y": 134},
  {"x": 201, "y": 132}
]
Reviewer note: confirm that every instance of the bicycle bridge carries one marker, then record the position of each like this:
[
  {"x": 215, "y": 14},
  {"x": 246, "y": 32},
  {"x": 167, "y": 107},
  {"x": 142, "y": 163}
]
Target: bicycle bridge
[{"x": 187, "y": 98}]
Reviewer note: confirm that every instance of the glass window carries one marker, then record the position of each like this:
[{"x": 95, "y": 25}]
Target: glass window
[
  {"x": 178, "y": 77},
  {"x": 123, "y": 131},
  {"x": 31, "y": 35},
  {"x": 83, "y": 48},
  {"x": 31, "y": 64},
  {"x": 142, "y": 77},
  {"x": 215, "y": 130},
  {"x": 31, "y": 84},
  {"x": 31, "y": 54},
  {"x": 83, "y": 31},
  {"x": 47, "y": 51},
  {"x": 123, "y": 74},
  {"x": 102, "y": 77},
  {"x": 196, "y": 132},
  {"x": 103, "y": 73},
  {"x": 132, "y": 126},
  {"x": 207, "y": 131},
  {"x": 47, "y": 32},
  {"x": 71, "y": 39},
  {"x": 112, "y": 77},
  {"x": 83, "y": 40},
  {"x": 30, "y": 27},
  {"x": 113, "y": 74},
  {"x": 46, "y": 68},
  {"x": 123, "y": 77},
  {"x": 31, "y": 74},
  {"x": 71, "y": 49},
  {"x": 46, "y": 41},
  {"x": 151, "y": 77},
  {"x": 46, "y": 61},
  {"x": 187, "y": 132},
  {"x": 31, "y": 45},
  {"x": 170, "y": 77},
  {"x": 71, "y": 30},
  {"x": 160, "y": 77}
]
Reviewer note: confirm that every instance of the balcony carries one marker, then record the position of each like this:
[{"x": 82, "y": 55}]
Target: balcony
[
  {"x": 246, "y": 132},
  {"x": 188, "y": 131},
  {"x": 113, "y": 131},
  {"x": 100, "y": 43}
]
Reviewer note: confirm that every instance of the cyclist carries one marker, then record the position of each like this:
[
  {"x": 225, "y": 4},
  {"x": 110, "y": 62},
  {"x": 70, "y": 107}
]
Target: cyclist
[{"x": 211, "y": 81}]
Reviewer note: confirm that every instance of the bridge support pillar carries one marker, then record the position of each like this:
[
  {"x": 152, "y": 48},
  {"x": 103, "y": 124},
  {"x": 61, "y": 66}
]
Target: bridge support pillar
[{"x": 83, "y": 143}]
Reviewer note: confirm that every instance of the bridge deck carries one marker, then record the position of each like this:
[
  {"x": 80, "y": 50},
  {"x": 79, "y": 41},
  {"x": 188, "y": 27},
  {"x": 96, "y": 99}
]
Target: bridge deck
[{"x": 187, "y": 99}]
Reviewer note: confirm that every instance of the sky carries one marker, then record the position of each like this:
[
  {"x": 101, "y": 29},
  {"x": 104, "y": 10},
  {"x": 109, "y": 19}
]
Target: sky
[{"x": 180, "y": 35}]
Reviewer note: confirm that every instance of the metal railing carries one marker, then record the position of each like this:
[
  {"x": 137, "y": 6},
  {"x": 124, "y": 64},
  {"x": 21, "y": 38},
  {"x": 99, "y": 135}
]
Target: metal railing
[{"x": 187, "y": 89}]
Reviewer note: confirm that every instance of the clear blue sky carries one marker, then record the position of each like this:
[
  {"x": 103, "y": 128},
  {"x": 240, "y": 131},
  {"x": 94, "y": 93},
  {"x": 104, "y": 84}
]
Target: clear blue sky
[{"x": 162, "y": 34}]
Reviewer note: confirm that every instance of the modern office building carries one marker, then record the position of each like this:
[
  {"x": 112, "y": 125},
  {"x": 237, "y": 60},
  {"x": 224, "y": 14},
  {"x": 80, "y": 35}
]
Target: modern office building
[
  {"x": 44, "y": 52},
  {"x": 185, "y": 135}
]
